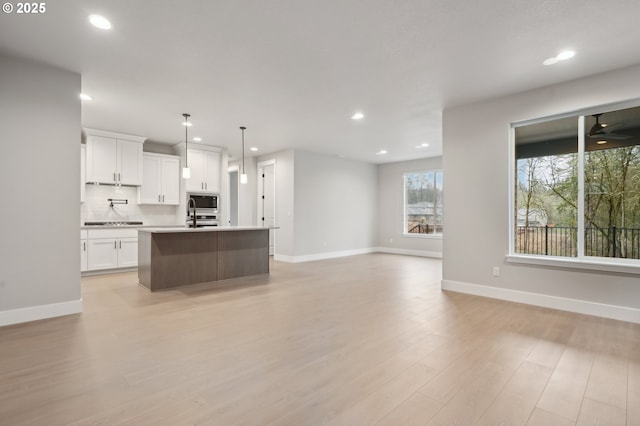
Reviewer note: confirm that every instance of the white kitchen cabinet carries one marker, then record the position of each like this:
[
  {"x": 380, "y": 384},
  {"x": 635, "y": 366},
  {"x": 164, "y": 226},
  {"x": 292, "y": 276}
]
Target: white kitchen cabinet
[
  {"x": 83, "y": 178},
  {"x": 113, "y": 158},
  {"x": 129, "y": 162},
  {"x": 103, "y": 254},
  {"x": 160, "y": 180},
  {"x": 205, "y": 171},
  {"x": 112, "y": 248},
  {"x": 83, "y": 251},
  {"x": 128, "y": 252}
]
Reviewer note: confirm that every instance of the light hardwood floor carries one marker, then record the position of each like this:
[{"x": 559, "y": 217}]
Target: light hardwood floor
[{"x": 361, "y": 340}]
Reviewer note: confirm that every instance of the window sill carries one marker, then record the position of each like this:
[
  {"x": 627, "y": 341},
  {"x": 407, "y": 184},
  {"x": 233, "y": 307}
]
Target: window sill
[
  {"x": 624, "y": 266},
  {"x": 427, "y": 236}
]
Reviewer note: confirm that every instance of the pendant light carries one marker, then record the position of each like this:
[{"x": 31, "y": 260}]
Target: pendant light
[
  {"x": 186, "y": 171},
  {"x": 243, "y": 176}
]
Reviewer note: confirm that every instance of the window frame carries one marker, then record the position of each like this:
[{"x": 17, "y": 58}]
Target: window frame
[
  {"x": 582, "y": 262},
  {"x": 406, "y": 234}
]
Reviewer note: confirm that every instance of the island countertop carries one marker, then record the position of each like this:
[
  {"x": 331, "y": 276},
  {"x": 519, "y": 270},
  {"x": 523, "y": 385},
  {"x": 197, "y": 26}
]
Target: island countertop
[{"x": 179, "y": 229}]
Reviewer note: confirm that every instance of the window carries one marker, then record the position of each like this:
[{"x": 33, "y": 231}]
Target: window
[
  {"x": 423, "y": 198},
  {"x": 577, "y": 186}
]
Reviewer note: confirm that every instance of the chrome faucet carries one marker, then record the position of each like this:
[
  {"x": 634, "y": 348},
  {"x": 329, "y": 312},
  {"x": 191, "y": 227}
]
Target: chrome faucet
[{"x": 191, "y": 200}]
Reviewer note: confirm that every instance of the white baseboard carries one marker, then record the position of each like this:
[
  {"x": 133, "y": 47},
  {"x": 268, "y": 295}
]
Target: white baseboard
[
  {"x": 322, "y": 256},
  {"x": 343, "y": 253},
  {"x": 422, "y": 253},
  {"x": 108, "y": 271},
  {"x": 34, "y": 313},
  {"x": 621, "y": 313}
]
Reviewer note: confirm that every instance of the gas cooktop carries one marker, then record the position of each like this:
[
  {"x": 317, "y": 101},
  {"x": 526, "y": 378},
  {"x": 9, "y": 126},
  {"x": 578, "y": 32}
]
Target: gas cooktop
[{"x": 125, "y": 223}]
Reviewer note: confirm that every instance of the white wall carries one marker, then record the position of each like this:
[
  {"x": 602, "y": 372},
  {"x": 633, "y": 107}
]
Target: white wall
[
  {"x": 247, "y": 192},
  {"x": 39, "y": 173},
  {"x": 389, "y": 236},
  {"x": 476, "y": 163},
  {"x": 335, "y": 204}
]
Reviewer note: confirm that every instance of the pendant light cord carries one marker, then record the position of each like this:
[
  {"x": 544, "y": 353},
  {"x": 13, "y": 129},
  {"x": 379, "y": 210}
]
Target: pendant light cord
[{"x": 186, "y": 150}]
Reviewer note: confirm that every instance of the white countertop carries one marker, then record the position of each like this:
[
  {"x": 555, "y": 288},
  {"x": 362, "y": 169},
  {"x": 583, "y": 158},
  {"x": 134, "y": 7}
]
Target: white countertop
[{"x": 176, "y": 229}]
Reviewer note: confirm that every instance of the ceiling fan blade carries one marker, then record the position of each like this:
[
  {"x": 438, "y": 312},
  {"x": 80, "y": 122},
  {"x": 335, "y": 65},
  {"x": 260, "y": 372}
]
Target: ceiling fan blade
[{"x": 616, "y": 136}]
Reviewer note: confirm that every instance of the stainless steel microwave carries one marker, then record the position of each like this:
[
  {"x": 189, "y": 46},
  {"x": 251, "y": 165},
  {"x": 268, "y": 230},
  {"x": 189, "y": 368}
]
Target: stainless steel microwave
[{"x": 203, "y": 202}]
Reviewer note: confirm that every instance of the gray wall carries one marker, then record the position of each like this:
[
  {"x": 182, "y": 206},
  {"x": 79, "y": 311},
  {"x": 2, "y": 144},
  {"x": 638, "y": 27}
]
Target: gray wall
[
  {"x": 39, "y": 185},
  {"x": 335, "y": 204},
  {"x": 476, "y": 163},
  {"x": 247, "y": 192},
  {"x": 389, "y": 236}
]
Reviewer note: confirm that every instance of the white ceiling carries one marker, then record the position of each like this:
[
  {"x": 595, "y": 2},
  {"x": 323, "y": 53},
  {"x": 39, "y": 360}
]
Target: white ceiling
[{"x": 294, "y": 71}]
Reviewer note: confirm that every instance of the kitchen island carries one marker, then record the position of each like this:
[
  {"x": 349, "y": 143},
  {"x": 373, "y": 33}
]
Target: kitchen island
[{"x": 178, "y": 256}]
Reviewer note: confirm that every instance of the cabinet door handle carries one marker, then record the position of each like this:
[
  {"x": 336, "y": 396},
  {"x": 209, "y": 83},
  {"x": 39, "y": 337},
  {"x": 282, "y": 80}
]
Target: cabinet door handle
[
  {"x": 158, "y": 197},
  {"x": 114, "y": 177},
  {"x": 119, "y": 180},
  {"x": 206, "y": 185},
  {"x": 115, "y": 245},
  {"x": 163, "y": 198},
  {"x": 120, "y": 244},
  {"x": 84, "y": 246}
]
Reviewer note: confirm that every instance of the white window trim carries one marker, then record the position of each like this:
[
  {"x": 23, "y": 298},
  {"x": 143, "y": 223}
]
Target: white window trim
[
  {"x": 590, "y": 263},
  {"x": 581, "y": 262},
  {"x": 424, "y": 236}
]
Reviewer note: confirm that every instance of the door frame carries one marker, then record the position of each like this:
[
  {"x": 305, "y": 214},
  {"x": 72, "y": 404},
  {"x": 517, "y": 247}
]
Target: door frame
[{"x": 259, "y": 192}]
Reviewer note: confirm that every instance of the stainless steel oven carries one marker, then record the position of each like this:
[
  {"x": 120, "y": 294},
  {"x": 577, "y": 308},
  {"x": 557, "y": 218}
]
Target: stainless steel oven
[{"x": 205, "y": 210}]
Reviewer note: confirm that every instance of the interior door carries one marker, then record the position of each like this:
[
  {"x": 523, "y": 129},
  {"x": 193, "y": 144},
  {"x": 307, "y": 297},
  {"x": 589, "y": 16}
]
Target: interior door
[{"x": 269, "y": 202}]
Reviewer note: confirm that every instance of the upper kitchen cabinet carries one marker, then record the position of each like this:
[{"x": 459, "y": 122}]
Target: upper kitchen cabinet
[
  {"x": 113, "y": 158},
  {"x": 160, "y": 180},
  {"x": 204, "y": 162}
]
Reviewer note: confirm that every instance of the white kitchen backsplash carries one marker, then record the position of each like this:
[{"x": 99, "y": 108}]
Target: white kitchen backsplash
[{"x": 97, "y": 208}]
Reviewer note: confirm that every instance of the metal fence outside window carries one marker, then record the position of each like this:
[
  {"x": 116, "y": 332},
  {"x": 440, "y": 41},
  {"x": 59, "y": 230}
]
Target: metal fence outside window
[{"x": 562, "y": 241}]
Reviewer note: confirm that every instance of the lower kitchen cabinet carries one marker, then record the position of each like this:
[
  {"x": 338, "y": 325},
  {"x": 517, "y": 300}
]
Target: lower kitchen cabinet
[
  {"x": 128, "y": 252},
  {"x": 83, "y": 250},
  {"x": 112, "y": 248}
]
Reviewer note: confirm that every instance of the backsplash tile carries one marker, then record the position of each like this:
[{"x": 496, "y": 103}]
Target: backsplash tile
[{"x": 96, "y": 207}]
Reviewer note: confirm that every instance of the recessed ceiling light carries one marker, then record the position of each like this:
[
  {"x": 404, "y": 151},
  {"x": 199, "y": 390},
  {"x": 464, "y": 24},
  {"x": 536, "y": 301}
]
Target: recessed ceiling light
[
  {"x": 197, "y": 139},
  {"x": 562, "y": 56},
  {"x": 186, "y": 123},
  {"x": 423, "y": 145},
  {"x": 86, "y": 97},
  {"x": 357, "y": 116},
  {"x": 253, "y": 148},
  {"x": 567, "y": 54},
  {"x": 381, "y": 152},
  {"x": 100, "y": 21},
  {"x": 601, "y": 142}
]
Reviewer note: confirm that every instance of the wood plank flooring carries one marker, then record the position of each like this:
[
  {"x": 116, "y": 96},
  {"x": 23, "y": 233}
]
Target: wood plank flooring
[{"x": 363, "y": 340}]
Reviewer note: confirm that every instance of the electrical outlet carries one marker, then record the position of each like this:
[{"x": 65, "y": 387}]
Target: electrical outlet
[{"x": 496, "y": 271}]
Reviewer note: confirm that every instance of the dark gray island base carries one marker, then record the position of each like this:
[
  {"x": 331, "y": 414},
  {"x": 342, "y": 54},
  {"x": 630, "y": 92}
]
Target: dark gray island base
[{"x": 175, "y": 257}]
